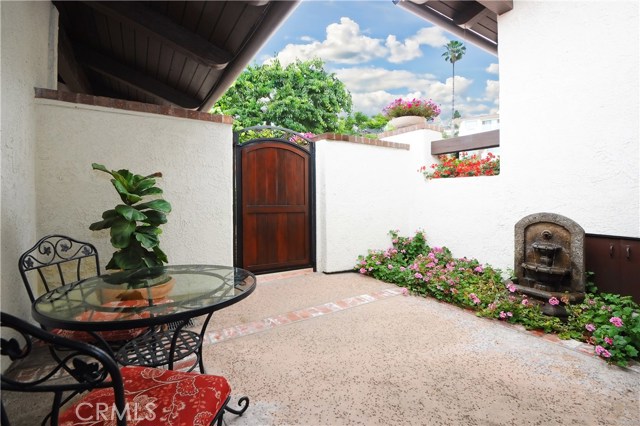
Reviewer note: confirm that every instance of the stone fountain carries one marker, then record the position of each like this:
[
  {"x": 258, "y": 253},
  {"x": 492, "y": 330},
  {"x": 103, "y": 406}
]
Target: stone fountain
[{"x": 549, "y": 260}]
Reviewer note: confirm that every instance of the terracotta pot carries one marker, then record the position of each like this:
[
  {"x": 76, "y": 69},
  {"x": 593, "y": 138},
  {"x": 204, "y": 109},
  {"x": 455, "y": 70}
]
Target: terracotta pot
[
  {"x": 406, "y": 121},
  {"x": 153, "y": 292}
]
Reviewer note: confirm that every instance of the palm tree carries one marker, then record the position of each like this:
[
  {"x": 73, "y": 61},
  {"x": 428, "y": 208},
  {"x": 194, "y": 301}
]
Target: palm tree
[{"x": 455, "y": 52}]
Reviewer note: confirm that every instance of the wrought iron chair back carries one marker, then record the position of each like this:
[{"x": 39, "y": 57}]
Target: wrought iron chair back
[
  {"x": 80, "y": 368},
  {"x": 57, "y": 260}
]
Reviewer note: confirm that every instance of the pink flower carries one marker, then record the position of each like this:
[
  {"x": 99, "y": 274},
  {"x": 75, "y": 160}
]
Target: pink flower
[
  {"x": 474, "y": 298},
  {"x": 525, "y": 302},
  {"x": 405, "y": 291},
  {"x": 363, "y": 271},
  {"x": 503, "y": 314},
  {"x": 616, "y": 321},
  {"x": 418, "y": 275},
  {"x": 553, "y": 301},
  {"x": 602, "y": 352},
  {"x": 609, "y": 340},
  {"x": 590, "y": 327},
  {"x": 511, "y": 287},
  {"x": 390, "y": 266},
  {"x": 492, "y": 306},
  {"x": 402, "y": 268},
  {"x": 478, "y": 269}
]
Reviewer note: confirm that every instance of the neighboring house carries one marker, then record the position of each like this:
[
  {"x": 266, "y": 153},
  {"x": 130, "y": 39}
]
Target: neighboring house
[
  {"x": 478, "y": 124},
  {"x": 571, "y": 164}
]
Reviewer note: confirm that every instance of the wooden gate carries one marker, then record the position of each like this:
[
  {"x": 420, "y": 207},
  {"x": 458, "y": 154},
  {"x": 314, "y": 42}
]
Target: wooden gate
[{"x": 274, "y": 201}]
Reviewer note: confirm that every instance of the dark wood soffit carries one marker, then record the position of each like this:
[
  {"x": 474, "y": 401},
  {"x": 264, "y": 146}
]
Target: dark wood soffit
[
  {"x": 158, "y": 26},
  {"x": 497, "y": 6},
  {"x": 490, "y": 139},
  {"x": 134, "y": 79}
]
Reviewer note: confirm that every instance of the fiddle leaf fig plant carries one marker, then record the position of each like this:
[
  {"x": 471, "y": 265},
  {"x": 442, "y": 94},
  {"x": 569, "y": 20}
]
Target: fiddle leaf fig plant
[{"x": 134, "y": 225}]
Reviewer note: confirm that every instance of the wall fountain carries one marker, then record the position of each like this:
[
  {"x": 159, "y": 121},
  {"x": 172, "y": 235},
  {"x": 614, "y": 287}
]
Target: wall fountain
[{"x": 549, "y": 260}]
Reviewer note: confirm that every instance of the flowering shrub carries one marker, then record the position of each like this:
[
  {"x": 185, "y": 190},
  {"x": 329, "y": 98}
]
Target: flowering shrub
[
  {"x": 610, "y": 322},
  {"x": 420, "y": 107},
  {"x": 300, "y": 141},
  {"x": 473, "y": 165}
]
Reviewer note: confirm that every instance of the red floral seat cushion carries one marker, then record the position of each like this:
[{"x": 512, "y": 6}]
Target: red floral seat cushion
[
  {"x": 154, "y": 397},
  {"x": 113, "y": 335}
]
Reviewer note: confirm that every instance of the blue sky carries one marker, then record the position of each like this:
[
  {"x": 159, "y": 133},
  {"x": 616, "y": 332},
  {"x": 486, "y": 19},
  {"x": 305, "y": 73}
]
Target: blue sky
[{"x": 382, "y": 52}]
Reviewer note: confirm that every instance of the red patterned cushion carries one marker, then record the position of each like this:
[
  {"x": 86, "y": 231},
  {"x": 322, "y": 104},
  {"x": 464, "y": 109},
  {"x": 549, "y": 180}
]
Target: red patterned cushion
[
  {"x": 154, "y": 397},
  {"x": 113, "y": 335}
]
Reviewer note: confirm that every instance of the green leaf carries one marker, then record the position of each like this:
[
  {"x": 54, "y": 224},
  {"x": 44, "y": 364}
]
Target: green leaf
[
  {"x": 161, "y": 255},
  {"x": 149, "y": 230},
  {"x": 109, "y": 214},
  {"x": 155, "y": 218},
  {"x": 96, "y": 166},
  {"x": 157, "y": 205},
  {"x": 151, "y": 191},
  {"x": 130, "y": 213},
  {"x": 121, "y": 231},
  {"x": 144, "y": 184},
  {"x": 125, "y": 195},
  {"x": 103, "y": 224},
  {"x": 126, "y": 260},
  {"x": 147, "y": 240}
]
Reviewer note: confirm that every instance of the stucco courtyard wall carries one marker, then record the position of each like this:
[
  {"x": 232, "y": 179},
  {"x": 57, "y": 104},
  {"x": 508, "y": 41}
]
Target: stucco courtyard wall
[
  {"x": 28, "y": 61},
  {"x": 569, "y": 113},
  {"x": 195, "y": 158},
  {"x": 569, "y": 143}
]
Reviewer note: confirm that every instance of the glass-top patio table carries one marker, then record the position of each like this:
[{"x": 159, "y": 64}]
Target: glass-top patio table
[{"x": 147, "y": 300}]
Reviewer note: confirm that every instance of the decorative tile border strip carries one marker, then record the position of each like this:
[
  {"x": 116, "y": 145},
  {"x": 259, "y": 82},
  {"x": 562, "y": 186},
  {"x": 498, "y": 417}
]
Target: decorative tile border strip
[{"x": 297, "y": 316}]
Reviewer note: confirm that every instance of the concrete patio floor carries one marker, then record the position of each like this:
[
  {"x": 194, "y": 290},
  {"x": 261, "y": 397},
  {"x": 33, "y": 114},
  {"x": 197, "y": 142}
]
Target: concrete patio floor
[
  {"x": 403, "y": 360},
  {"x": 344, "y": 349}
]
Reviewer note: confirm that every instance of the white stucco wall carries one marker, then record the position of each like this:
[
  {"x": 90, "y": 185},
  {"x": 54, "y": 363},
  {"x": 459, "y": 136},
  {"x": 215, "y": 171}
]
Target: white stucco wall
[
  {"x": 363, "y": 192},
  {"x": 28, "y": 61},
  {"x": 581, "y": 158},
  {"x": 195, "y": 158}
]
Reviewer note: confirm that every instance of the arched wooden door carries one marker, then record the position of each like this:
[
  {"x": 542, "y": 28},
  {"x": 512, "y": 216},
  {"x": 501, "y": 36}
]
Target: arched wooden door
[{"x": 274, "y": 205}]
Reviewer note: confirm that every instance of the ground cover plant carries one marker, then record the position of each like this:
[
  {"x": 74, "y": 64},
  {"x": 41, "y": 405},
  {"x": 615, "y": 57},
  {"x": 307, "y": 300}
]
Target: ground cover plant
[{"x": 610, "y": 322}]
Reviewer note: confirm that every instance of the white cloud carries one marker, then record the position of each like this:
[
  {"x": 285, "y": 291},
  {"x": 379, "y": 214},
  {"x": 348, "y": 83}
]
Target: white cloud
[
  {"x": 492, "y": 91},
  {"x": 410, "y": 48},
  {"x": 359, "y": 79},
  {"x": 344, "y": 44},
  {"x": 402, "y": 52},
  {"x": 493, "y": 69},
  {"x": 431, "y": 36}
]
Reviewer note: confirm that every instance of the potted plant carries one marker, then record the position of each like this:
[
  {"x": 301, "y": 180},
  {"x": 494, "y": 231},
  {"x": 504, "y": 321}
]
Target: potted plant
[
  {"x": 404, "y": 112},
  {"x": 135, "y": 228}
]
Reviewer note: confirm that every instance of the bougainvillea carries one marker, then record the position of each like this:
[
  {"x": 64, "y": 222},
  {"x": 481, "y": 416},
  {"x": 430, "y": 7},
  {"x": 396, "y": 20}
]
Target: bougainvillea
[{"x": 419, "y": 107}]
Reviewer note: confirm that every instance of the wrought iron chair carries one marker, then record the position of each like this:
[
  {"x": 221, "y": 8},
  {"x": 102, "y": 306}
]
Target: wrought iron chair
[
  {"x": 141, "y": 395},
  {"x": 57, "y": 260}
]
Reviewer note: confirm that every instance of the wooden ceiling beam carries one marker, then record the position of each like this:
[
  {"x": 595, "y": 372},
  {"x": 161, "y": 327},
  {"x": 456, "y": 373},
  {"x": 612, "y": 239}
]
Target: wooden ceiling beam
[
  {"x": 71, "y": 73},
  {"x": 497, "y": 6},
  {"x": 165, "y": 30},
  {"x": 130, "y": 77},
  {"x": 471, "y": 14}
]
